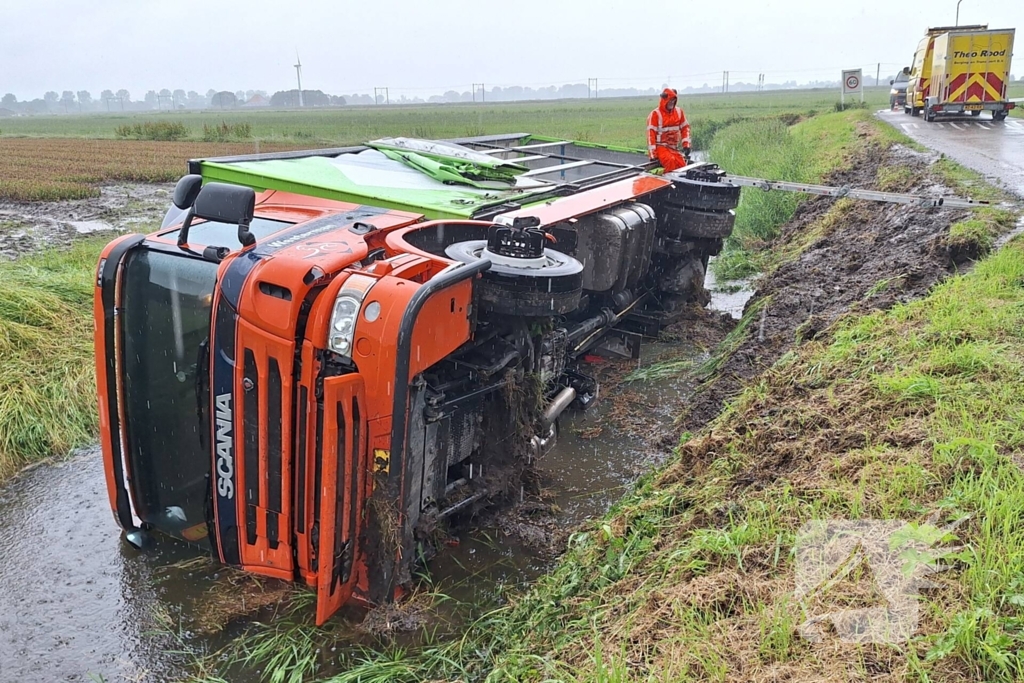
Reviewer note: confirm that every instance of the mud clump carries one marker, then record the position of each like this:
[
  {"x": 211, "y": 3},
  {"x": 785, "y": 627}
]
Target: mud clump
[
  {"x": 404, "y": 616},
  {"x": 849, "y": 257}
]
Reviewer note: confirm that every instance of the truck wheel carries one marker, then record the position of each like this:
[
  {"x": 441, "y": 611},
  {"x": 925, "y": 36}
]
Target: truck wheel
[
  {"x": 700, "y": 194},
  {"x": 999, "y": 115},
  {"x": 929, "y": 116},
  {"x": 553, "y": 289},
  {"x": 977, "y": 112},
  {"x": 915, "y": 111},
  {"x": 678, "y": 221}
]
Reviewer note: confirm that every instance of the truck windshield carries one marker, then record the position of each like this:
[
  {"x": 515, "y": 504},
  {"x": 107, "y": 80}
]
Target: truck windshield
[{"x": 165, "y": 320}]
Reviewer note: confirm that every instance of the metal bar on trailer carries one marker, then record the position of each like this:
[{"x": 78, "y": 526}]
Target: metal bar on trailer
[
  {"x": 556, "y": 169},
  {"x": 551, "y": 155},
  {"x": 536, "y": 145},
  {"x": 855, "y": 193},
  {"x": 532, "y": 157}
]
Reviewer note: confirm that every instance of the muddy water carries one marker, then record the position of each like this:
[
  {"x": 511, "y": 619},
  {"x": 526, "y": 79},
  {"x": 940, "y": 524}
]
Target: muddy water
[
  {"x": 75, "y": 600},
  {"x": 77, "y": 604}
]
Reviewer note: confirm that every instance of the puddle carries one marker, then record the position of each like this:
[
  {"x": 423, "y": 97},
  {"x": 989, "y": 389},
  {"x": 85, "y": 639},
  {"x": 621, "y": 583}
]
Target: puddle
[
  {"x": 729, "y": 296},
  {"x": 86, "y": 227},
  {"x": 1004, "y": 239},
  {"x": 75, "y": 599}
]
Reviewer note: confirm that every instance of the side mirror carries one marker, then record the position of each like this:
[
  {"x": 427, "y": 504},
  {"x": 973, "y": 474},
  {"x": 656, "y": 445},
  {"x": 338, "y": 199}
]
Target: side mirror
[
  {"x": 225, "y": 204},
  {"x": 892, "y": 82},
  {"x": 186, "y": 191}
]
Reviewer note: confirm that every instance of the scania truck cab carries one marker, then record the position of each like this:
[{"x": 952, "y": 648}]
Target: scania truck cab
[{"x": 325, "y": 357}]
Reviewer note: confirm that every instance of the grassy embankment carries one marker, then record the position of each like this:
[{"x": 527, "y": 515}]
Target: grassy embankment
[
  {"x": 47, "y": 386},
  {"x": 807, "y": 152},
  {"x": 66, "y": 157},
  {"x": 910, "y": 414}
]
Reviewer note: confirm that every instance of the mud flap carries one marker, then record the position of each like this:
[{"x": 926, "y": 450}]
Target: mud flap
[{"x": 343, "y": 466}]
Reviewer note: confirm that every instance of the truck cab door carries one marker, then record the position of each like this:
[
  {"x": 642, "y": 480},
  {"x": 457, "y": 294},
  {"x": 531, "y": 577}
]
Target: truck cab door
[{"x": 341, "y": 456}]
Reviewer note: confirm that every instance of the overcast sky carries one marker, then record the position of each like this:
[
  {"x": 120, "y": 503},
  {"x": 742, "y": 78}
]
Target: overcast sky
[{"x": 424, "y": 47}]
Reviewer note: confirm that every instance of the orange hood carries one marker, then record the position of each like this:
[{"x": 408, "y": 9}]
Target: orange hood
[{"x": 666, "y": 95}]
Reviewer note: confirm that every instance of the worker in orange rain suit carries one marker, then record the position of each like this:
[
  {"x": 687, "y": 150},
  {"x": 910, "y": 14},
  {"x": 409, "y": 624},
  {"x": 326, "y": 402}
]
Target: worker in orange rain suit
[{"x": 666, "y": 129}]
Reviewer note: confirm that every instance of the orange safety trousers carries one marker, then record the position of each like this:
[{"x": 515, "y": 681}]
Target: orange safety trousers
[{"x": 669, "y": 159}]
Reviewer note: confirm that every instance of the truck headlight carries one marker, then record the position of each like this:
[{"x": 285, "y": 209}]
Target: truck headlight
[
  {"x": 343, "y": 324},
  {"x": 342, "y": 332},
  {"x": 894, "y": 91}
]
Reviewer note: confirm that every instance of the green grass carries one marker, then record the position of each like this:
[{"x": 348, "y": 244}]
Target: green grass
[
  {"x": 47, "y": 383},
  {"x": 1016, "y": 90},
  {"x": 619, "y": 121}
]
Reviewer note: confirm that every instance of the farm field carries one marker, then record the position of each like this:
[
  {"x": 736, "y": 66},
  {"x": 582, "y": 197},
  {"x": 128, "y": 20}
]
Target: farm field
[
  {"x": 39, "y": 162},
  {"x": 51, "y": 169},
  {"x": 615, "y": 121}
]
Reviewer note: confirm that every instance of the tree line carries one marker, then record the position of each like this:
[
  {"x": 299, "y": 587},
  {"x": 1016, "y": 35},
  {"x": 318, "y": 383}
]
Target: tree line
[{"x": 82, "y": 101}]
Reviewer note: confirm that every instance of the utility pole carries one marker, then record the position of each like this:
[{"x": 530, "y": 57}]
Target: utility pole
[
  {"x": 591, "y": 88},
  {"x": 483, "y": 95},
  {"x": 377, "y": 92},
  {"x": 878, "y": 75},
  {"x": 958, "y": 12},
  {"x": 725, "y": 81}
]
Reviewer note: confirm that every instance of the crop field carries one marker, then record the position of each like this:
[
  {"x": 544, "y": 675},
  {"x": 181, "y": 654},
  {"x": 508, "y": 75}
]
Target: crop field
[
  {"x": 50, "y": 169},
  {"x": 38, "y": 162},
  {"x": 614, "y": 121}
]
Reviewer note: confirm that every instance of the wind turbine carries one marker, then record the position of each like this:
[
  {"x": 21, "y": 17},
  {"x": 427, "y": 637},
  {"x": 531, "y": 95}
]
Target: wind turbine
[{"x": 298, "y": 74}]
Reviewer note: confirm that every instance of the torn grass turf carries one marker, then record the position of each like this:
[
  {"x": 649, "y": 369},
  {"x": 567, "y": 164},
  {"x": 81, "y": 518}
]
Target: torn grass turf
[{"x": 47, "y": 377}]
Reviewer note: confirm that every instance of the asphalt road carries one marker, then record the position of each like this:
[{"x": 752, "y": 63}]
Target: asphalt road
[{"x": 996, "y": 150}]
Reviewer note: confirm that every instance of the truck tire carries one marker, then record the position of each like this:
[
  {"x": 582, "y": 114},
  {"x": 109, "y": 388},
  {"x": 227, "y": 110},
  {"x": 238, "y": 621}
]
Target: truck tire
[
  {"x": 999, "y": 115},
  {"x": 554, "y": 289},
  {"x": 915, "y": 111},
  {"x": 929, "y": 116},
  {"x": 700, "y": 194},
  {"x": 977, "y": 112},
  {"x": 681, "y": 222}
]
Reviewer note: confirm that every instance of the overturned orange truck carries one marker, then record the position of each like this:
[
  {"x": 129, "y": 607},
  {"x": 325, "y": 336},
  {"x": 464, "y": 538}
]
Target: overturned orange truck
[{"x": 325, "y": 358}]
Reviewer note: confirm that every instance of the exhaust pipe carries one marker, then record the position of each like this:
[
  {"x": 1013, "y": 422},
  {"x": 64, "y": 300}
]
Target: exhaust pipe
[
  {"x": 557, "y": 406},
  {"x": 541, "y": 445}
]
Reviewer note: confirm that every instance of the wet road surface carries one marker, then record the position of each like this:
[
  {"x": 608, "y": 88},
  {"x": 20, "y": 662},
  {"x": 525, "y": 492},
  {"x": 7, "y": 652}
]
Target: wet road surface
[{"x": 994, "y": 149}]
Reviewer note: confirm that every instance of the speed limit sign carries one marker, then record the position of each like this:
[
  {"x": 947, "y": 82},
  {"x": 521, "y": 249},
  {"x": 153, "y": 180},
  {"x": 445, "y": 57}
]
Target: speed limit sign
[{"x": 853, "y": 82}]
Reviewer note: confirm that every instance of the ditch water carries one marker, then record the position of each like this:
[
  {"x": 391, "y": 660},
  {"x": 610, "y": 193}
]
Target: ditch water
[{"x": 78, "y": 604}]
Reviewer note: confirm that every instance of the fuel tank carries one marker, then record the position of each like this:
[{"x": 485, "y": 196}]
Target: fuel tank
[{"x": 615, "y": 247}]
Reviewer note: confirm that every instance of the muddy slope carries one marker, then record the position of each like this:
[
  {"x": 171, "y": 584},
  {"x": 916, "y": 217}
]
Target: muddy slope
[{"x": 856, "y": 256}]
